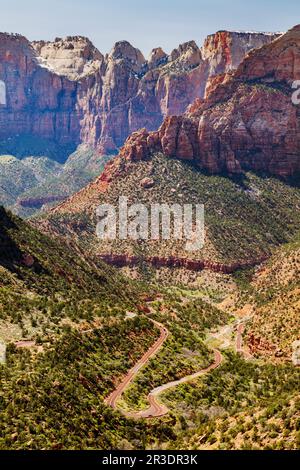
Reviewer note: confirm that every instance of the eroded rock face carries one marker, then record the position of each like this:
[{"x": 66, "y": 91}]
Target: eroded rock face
[
  {"x": 37, "y": 102},
  {"x": 173, "y": 262},
  {"x": 225, "y": 50},
  {"x": 68, "y": 92},
  {"x": 247, "y": 122},
  {"x": 73, "y": 57}
]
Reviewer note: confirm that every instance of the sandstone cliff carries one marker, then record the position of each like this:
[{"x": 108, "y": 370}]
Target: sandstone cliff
[
  {"x": 67, "y": 92},
  {"x": 247, "y": 122},
  {"x": 131, "y": 92},
  {"x": 74, "y": 56},
  {"x": 38, "y": 103}
]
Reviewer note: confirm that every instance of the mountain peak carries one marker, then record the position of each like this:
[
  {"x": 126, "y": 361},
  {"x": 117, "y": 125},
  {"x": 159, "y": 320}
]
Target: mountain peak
[
  {"x": 157, "y": 57},
  {"x": 125, "y": 50},
  {"x": 73, "y": 56}
]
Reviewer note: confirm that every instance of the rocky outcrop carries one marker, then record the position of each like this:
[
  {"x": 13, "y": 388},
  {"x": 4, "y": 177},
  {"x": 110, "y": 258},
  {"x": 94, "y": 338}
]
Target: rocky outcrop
[
  {"x": 73, "y": 57},
  {"x": 247, "y": 122},
  {"x": 68, "y": 93},
  {"x": 38, "y": 103},
  {"x": 173, "y": 262}
]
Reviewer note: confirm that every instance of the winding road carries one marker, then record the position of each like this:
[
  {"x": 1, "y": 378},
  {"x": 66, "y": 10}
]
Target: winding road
[
  {"x": 112, "y": 399},
  {"x": 155, "y": 409}
]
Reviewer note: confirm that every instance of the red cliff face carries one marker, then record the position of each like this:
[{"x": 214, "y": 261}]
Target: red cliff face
[
  {"x": 37, "y": 102},
  {"x": 131, "y": 93},
  {"x": 173, "y": 262},
  {"x": 225, "y": 50},
  {"x": 66, "y": 91},
  {"x": 248, "y": 120}
]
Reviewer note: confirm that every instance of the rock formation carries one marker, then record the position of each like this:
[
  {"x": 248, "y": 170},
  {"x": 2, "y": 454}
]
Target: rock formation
[
  {"x": 68, "y": 93},
  {"x": 247, "y": 122},
  {"x": 38, "y": 102},
  {"x": 196, "y": 265},
  {"x": 73, "y": 57}
]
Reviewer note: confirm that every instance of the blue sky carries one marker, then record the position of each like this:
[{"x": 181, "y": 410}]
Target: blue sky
[{"x": 146, "y": 24}]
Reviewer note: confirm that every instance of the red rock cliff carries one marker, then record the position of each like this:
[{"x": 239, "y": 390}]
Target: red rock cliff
[
  {"x": 248, "y": 121},
  {"x": 68, "y": 92},
  {"x": 37, "y": 102}
]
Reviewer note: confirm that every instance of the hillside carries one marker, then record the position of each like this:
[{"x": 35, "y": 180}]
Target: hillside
[
  {"x": 34, "y": 183},
  {"x": 274, "y": 328},
  {"x": 69, "y": 94},
  {"x": 236, "y": 152},
  {"x": 73, "y": 328},
  {"x": 245, "y": 218},
  {"x": 18, "y": 176},
  {"x": 44, "y": 283},
  {"x": 247, "y": 122}
]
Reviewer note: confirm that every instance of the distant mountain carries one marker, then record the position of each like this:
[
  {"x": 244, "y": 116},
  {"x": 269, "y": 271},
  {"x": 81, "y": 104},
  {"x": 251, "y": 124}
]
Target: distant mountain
[
  {"x": 35, "y": 183},
  {"x": 246, "y": 130}
]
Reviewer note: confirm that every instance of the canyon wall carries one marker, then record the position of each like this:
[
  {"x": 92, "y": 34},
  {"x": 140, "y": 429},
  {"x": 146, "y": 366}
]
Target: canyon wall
[
  {"x": 38, "y": 103},
  {"x": 124, "y": 260},
  {"x": 247, "y": 122},
  {"x": 67, "y": 92}
]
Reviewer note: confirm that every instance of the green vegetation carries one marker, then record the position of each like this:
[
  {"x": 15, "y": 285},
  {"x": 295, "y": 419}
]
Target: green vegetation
[
  {"x": 75, "y": 311},
  {"x": 43, "y": 282},
  {"x": 245, "y": 217},
  {"x": 18, "y": 176},
  {"x": 35, "y": 178},
  {"x": 184, "y": 352},
  {"x": 26, "y": 145},
  {"x": 241, "y": 405},
  {"x": 275, "y": 295},
  {"x": 55, "y": 400}
]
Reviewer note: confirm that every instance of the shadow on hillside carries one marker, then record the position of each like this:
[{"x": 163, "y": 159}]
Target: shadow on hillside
[
  {"x": 240, "y": 179},
  {"x": 9, "y": 250},
  {"x": 11, "y": 256}
]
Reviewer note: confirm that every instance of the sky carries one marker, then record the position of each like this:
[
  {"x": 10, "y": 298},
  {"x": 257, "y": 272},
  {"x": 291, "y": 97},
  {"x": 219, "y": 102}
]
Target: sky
[{"x": 145, "y": 24}]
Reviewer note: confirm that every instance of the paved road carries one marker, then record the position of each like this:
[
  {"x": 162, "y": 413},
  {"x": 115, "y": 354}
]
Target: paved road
[
  {"x": 156, "y": 409},
  {"x": 116, "y": 394}
]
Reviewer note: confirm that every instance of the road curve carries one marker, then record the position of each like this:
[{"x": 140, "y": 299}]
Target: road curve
[
  {"x": 112, "y": 399},
  {"x": 155, "y": 409}
]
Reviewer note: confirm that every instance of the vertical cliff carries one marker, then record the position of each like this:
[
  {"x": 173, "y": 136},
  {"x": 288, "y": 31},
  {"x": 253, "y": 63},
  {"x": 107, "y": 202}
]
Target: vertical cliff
[
  {"x": 66, "y": 92},
  {"x": 38, "y": 103}
]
